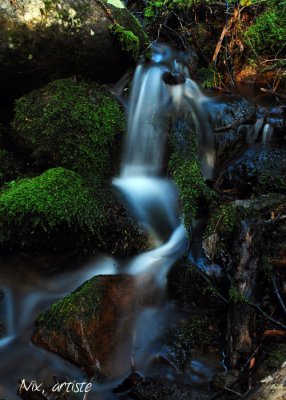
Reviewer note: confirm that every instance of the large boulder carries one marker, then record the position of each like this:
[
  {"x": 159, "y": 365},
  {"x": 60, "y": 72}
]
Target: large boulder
[
  {"x": 58, "y": 210},
  {"x": 76, "y": 125},
  {"x": 46, "y": 39}
]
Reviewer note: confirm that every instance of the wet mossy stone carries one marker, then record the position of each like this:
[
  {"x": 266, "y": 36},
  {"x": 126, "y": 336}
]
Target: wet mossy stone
[
  {"x": 72, "y": 124},
  {"x": 185, "y": 169},
  {"x": 261, "y": 170},
  {"x": 128, "y": 41},
  {"x": 86, "y": 326},
  {"x": 37, "y": 212}
]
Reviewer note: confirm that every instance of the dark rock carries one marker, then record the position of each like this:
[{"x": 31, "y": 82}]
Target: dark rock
[
  {"x": 272, "y": 387},
  {"x": 231, "y": 117},
  {"x": 226, "y": 379},
  {"x": 149, "y": 389},
  {"x": 45, "y": 40},
  {"x": 259, "y": 170},
  {"x": 10, "y": 166}
]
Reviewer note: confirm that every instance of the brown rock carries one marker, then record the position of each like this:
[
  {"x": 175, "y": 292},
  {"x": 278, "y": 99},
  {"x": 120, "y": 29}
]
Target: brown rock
[
  {"x": 86, "y": 326},
  {"x": 93, "y": 327}
]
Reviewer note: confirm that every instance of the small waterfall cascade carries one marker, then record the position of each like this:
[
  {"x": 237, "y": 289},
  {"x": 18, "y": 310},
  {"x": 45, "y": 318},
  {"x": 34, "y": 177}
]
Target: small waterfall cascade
[
  {"x": 158, "y": 89},
  {"x": 267, "y": 134},
  {"x": 161, "y": 88}
]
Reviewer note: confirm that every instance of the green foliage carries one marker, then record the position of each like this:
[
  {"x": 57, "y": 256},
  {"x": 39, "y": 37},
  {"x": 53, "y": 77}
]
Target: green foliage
[
  {"x": 71, "y": 124},
  {"x": 275, "y": 358},
  {"x": 267, "y": 34},
  {"x": 128, "y": 41},
  {"x": 56, "y": 201},
  {"x": 155, "y": 7},
  {"x": 207, "y": 77},
  {"x": 82, "y": 304},
  {"x": 235, "y": 295}
]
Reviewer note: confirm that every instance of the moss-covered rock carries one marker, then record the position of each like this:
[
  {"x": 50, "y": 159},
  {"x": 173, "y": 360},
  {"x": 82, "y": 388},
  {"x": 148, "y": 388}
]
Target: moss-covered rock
[
  {"x": 58, "y": 210},
  {"x": 226, "y": 222},
  {"x": 185, "y": 169},
  {"x": 223, "y": 220},
  {"x": 35, "y": 211},
  {"x": 84, "y": 327},
  {"x": 43, "y": 40},
  {"x": 128, "y": 41},
  {"x": 71, "y": 124}
]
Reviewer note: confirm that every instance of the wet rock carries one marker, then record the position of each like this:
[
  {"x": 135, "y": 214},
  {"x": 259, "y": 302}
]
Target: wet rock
[
  {"x": 271, "y": 387},
  {"x": 192, "y": 338},
  {"x": 58, "y": 210},
  {"x": 246, "y": 235},
  {"x": 149, "y": 389},
  {"x": 274, "y": 359},
  {"x": 185, "y": 169},
  {"x": 231, "y": 117},
  {"x": 226, "y": 379},
  {"x": 259, "y": 170},
  {"x": 44, "y": 40},
  {"x": 84, "y": 327}
]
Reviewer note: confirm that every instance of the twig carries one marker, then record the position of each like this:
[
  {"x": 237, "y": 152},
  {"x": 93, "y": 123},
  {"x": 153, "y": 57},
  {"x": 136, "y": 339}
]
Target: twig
[
  {"x": 276, "y": 289},
  {"x": 258, "y": 308},
  {"x": 273, "y": 93}
]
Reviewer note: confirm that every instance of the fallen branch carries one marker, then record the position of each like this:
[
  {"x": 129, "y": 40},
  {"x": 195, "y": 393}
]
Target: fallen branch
[
  {"x": 273, "y": 93},
  {"x": 278, "y": 295}
]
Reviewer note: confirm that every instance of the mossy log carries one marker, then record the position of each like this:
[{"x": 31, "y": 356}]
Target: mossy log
[{"x": 46, "y": 39}]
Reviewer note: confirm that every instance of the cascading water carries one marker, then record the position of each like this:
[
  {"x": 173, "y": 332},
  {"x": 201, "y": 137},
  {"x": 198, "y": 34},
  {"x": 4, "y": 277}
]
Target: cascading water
[
  {"x": 161, "y": 88},
  {"x": 158, "y": 89}
]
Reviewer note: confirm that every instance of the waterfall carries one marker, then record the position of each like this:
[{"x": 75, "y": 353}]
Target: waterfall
[{"x": 158, "y": 89}]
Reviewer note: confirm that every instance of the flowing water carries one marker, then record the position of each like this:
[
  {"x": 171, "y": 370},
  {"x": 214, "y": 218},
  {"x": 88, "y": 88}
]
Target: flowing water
[{"x": 158, "y": 89}]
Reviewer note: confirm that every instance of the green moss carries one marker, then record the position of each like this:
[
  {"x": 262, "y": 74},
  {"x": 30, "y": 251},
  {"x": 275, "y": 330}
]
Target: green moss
[
  {"x": 196, "y": 332},
  {"x": 267, "y": 35},
  {"x": 275, "y": 358},
  {"x": 185, "y": 169},
  {"x": 128, "y": 41},
  {"x": 192, "y": 187},
  {"x": 223, "y": 221},
  {"x": 71, "y": 124},
  {"x": 155, "y": 7},
  {"x": 83, "y": 304},
  {"x": 235, "y": 295},
  {"x": 129, "y": 23},
  {"x": 43, "y": 207}
]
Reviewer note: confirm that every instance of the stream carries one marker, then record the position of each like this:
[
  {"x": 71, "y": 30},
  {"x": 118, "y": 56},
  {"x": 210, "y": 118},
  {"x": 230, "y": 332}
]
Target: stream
[{"x": 31, "y": 284}]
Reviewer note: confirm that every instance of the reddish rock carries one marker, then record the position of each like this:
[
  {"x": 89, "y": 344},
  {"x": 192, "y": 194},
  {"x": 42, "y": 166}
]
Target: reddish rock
[{"x": 86, "y": 326}]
